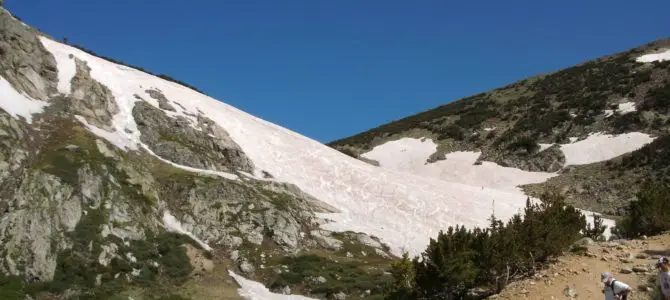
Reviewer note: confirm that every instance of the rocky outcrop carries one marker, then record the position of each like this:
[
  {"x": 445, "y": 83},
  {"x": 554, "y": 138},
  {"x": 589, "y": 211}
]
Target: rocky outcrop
[
  {"x": 42, "y": 211},
  {"x": 163, "y": 102},
  {"x": 549, "y": 160},
  {"x": 91, "y": 99},
  {"x": 24, "y": 61},
  {"x": 177, "y": 140}
]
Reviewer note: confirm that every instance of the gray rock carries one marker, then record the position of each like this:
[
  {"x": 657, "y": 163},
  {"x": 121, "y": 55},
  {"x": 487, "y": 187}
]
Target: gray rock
[
  {"x": 24, "y": 62},
  {"x": 570, "y": 292},
  {"x": 91, "y": 99},
  {"x": 642, "y": 256},
  {"x": 177, "y": 140},
  {"x": 246, "y": 267},
  {"x": 626, "y": 271},
  {"x": 340, "y": 296},
  {"x": 163, "y": 102},
  {"x": 640, "y": 269},
  {"x": 45, "y": 210},
  {"x": 324, "y": 239},
  {"x": 583, "y": 242}
]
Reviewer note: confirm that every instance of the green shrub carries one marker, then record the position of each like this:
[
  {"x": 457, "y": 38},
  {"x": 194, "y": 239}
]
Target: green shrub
[
  {"x": 461, "y": 259},
  {"x": 12, "y": 288},
  {"x": 596, "y": 231},
  {"x": 650, "y": 214}
]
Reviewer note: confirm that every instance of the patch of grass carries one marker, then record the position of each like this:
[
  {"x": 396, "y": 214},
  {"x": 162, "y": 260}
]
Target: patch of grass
[
  {"x": 12, "y": 288},
  {"x": 347, "y": 277}
]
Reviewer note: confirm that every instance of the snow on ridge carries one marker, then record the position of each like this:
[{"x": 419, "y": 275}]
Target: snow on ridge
[
  {"x": 65, "y": 63},
  {"x": 17, "y": 104},
  {"x": 173, "y": 225},
  {"x": 660, "y": 56},
  {"x": 252, "y": 290},
  {"x": 600, "y": 147}
]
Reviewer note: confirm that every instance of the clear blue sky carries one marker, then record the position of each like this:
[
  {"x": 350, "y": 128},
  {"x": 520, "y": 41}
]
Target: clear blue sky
[{"x": 329, "y": 69}]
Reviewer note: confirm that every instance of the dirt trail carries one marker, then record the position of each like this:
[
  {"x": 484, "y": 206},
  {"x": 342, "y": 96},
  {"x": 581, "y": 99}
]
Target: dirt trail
[{"x": 581, "y": 272}]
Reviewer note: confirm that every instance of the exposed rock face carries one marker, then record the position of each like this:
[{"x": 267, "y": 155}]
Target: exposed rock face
[
  {"x": 24, "y": 61},
  {"x": 163, "y": 102},
  {"x": 549, "y": 160},
  {"x": 91, "y": 99},
  {"x": 42, "y": 211},
  {"x": 177, "y": 140}
]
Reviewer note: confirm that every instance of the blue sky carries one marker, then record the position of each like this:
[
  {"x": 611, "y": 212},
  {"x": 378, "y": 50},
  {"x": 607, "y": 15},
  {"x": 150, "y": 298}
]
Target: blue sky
[{"x": 329, "y": 69}]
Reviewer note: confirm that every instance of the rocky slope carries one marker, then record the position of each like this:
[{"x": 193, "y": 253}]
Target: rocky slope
[
  {"x": 529, "y": 124},
  {"x": 82, "y": 218}
]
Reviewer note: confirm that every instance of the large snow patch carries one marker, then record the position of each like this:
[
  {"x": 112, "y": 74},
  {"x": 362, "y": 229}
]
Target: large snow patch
[
  {"x": 410, "y": 155},
  {"x": 599, "y": 147}
]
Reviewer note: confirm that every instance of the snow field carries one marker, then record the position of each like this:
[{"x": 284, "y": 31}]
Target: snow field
[{"x": 403, "y": 210}]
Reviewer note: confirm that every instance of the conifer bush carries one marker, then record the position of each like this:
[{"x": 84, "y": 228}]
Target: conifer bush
[{"x": 460, "y": 259}]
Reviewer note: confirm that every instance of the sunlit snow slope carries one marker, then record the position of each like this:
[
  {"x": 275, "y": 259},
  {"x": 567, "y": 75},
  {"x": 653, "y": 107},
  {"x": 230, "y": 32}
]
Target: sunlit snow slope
[{"x": 403, "y": 210}]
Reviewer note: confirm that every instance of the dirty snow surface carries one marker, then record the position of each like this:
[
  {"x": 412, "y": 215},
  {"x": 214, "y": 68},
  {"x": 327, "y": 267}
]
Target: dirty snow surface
[
  {"x": 18, "y": 104},
  {"x": 409, "y": 155},
  {"x": 660, "y": 56},
  {"x": 252, "y": 290},
  {"x": 600, "y": 147}
]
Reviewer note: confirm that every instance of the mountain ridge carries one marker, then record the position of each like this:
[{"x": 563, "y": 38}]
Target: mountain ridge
[{"x": 529, "y": 123}]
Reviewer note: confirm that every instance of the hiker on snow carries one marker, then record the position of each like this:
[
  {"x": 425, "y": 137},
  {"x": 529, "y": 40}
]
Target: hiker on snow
[
  {"x": 663, "y": 266},
  {"x": 614, "y": 289}
]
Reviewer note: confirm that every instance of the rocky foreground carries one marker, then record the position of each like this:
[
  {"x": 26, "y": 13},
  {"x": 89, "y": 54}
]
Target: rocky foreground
[{"x": 576, "y": 275}]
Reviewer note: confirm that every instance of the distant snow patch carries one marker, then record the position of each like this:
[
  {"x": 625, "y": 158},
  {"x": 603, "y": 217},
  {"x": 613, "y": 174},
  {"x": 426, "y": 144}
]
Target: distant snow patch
[
  {"x": 627, "y": 107},
  {"x": 409, "y": 155},
  {"x": 622, "y": 108},
  {"x": 65, "y": 64},
  {"x": 489, "y": 128},
  {"x": 609, "y": 224},
  {"x": 661, "y": 56},
  {"x": 173, "y": 225},
  {"x": 608, "y": 113},
  {"x": 545, "y": 147},
  {"x": 573, "y": 139},
  {"x": 252, "y": 290},
  {"x": 600, "y": 147},
  {"x": 18, "y": 104}
]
